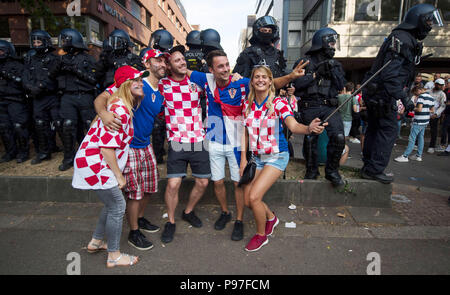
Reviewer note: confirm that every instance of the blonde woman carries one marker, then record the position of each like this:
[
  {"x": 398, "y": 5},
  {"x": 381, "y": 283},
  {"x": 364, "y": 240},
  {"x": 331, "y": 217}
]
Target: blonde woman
[
  {"x": 100, "y": 161},
  {"x": 263, "y": 133}
]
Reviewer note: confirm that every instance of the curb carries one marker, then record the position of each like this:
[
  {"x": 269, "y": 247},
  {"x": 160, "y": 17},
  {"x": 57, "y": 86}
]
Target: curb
[{"x": 316, "y": 193}]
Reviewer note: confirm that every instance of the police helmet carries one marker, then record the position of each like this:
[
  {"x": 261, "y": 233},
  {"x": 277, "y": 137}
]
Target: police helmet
[
  {"x": 119, "y": 40},
  {"x": 324, "y": 38},
  {"x": 44, "y": 37},
  {"x": 266, "y": 21},
  {"x": 210, "y": 38},
  {"x": 8, "y": 49},
  {"x": 193, "y": 39},
  {"x": 105, "y": 46},
  {"x": 71, "y": 38},
  {"x": 421, "y": 18},
  {"x": 143, "y": 52},
  {"x": 161, "y": 39}
]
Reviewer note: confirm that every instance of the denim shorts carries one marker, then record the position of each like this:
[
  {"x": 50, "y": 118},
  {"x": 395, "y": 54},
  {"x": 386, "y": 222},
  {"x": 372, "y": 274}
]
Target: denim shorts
[
  {"x": 218, "y": 155},
  {"x": 278, "y": 161}
]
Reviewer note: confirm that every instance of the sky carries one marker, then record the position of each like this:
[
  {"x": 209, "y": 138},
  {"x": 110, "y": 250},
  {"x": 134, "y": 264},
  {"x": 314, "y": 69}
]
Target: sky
[{"x": 228, "y": 17}]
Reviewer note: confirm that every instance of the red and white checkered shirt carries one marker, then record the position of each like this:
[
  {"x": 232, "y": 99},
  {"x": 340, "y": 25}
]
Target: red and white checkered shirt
[
  {"x": 266, "y": 124},
  {"x": 90, "y": 168},
  {"x": 183, "y": 111}
]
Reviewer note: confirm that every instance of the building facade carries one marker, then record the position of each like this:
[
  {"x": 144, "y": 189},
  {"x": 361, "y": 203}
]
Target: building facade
[
  {"x": 95, "y": 20},
  {"x": 362, "y": 26}
]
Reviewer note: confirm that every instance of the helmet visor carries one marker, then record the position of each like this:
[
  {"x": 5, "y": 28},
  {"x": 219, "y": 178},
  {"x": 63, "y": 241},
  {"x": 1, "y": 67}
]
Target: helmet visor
[
  {"x": 266, "y": 21},
  {"x": 332, "y": 41},
  {"x": 64, "y": 41},
  {"x": 37, "y": 42},
  {"x": 434, "y": 18},
  {"x": 117, "y": 42}
]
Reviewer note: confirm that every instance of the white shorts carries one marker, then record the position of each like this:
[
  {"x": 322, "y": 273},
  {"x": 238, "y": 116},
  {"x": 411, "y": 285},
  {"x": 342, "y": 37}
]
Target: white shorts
[{"x": 218, "y": 154}]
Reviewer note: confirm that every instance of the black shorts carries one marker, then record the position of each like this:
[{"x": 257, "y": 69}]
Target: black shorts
[{"x": 180, "y": 154}]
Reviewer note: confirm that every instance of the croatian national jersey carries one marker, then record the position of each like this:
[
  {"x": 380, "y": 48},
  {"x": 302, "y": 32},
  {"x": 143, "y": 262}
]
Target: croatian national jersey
[
  {"x": 90, "y": 168},
  {"x": 144, "y": 116},
  {"x": 221, "y": 127},
  {"x": 183, "y": 111},
  {"x": 267, "y": 125}
]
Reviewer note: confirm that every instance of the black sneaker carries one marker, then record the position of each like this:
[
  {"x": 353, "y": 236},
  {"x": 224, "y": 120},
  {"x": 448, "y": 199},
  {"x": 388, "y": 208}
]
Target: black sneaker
[
  {"x": 192, "y": 219},
  {"x": 222, "y": 221},
  {"x": 146, "y": 226},
  {"x": 238, "y": 231},
  {"x": 139, "y": 241},
  {"x": 169, "y": 231}
]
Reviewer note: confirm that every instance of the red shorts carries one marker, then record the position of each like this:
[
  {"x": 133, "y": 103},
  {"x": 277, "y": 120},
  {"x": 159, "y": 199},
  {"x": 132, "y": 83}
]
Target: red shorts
[{"x": 141, "y": 173}]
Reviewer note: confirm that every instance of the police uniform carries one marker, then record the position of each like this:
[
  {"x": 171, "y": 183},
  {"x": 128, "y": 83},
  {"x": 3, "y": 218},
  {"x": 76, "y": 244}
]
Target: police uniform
[
  {"x": 261, "y": 51},
  {"x": 14, "y": 112},
  {"x": 318, "y": 89},
  {"x": 403, "y": 51},
  {"x": 41, "y": 86},
  {"x": 77, "y": 81}
]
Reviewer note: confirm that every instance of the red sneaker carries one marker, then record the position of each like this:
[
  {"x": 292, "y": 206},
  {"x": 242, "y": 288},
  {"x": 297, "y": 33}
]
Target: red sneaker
[
  {"x": 270, "y": 225},
  {"x": 256, "y": 243}
]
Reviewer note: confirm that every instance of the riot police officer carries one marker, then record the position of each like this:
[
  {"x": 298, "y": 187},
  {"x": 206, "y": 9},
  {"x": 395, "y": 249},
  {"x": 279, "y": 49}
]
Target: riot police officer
[
  {"x": 14, "y": 112},
  {"x": 40, "y": 83},
  {"x": 262, "y": 52},
  {"x": 161, "y": 40},
  {"x": 403, "y": 49},
  {"x": 318, "y": 90},
  {"x": 77, "y": 80},
  {"x": 116, "y": 54},
  {"x": 194, "y": 56},
  {"x": 210, "y": 40}
]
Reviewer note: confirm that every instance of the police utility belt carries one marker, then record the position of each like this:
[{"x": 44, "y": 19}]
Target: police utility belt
[{"x": 307, "y": 103}]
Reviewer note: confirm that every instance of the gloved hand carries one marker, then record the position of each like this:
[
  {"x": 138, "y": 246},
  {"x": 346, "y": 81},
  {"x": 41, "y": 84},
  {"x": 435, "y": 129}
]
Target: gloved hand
[
  {"x": 408, "y": 104},
  {"x": 324, "y": 68}
]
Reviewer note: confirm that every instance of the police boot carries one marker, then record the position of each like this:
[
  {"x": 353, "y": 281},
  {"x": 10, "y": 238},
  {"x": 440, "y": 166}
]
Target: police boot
[
  {"x": 22, "y": 143},
  {"x": 54, "y": 148},
  {"x": 334, "y": 152},
  {"x": 69, "y": 133},
  {"x": 42, "y": 128},
  {"x": 310, "y": 154}
]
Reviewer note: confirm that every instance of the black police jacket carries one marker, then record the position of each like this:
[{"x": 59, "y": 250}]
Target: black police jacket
[
  {"x": 106, "y": 67},
  {"x": 260, "y": 55},
  {"x": 328, "y": 82},
  {"x": 404, "y": 50},
  {"x": 77, "y": 73},
  {"x": 194, "y": 59},
  {"x": 39, "y": 74},
  {"x": 11, "y": 80}
]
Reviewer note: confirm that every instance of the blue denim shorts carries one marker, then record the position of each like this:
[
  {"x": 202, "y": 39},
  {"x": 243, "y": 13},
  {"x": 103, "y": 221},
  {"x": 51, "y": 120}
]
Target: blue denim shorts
[{"x": 278, "y": 161}]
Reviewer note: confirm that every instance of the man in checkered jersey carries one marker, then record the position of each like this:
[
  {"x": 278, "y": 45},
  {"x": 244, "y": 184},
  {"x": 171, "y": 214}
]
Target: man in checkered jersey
[{"x": 141, "y": 171}]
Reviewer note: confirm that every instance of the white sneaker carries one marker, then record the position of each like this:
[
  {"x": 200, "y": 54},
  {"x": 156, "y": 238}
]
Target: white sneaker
[
  {"x": 430, "y": 150},
  {"x": 401, "y": 159},
  {"x": 354, "y": 140},
  {"x": 417, "y": 158}
]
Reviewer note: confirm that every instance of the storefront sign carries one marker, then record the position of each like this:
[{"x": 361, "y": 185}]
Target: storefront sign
[{"x": 120, "y": 17}]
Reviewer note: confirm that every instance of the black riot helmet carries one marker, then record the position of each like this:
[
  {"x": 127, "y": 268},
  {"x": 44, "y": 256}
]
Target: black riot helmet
[
  {"x": 161, "y": 40},
  {"x": 70, "y": 39},
  {"x": 44, "y": 37},
  {"x": 326, "y": 40},
  {"x": 210, "y": 41},
  {"x": 8, "y": 50},
  {"x": 265, "y": 22},
  {"x": 193, "y": 39},
  {"x": 143, "y": 52},
  {"x": 106, "y": 46},
  {"x": 119, "y": 40},
  {"x": 420, "y": 19}
]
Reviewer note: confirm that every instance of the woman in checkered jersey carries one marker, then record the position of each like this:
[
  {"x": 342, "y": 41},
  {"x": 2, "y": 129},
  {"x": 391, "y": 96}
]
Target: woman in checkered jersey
[
  {"x": 263, "y": 114},
  {"x": 100, "y": 161}
]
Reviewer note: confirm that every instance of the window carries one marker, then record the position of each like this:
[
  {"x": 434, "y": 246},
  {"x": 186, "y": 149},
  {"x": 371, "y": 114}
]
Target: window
[
  {"x": 367, "y": 10},
  {"x": 148, "y": 17},
  {"x": 339, "y": 10},
  {"x": 4, "y": 27},
  {"x": 135, "y": 9},
  {"x": 294, "y": 38},
  {"x": 444, "y": 6},
  {"x": 313, "y": 23},
  {"x": 390, "y": 10},
  {"x": 122, "y": 2}
]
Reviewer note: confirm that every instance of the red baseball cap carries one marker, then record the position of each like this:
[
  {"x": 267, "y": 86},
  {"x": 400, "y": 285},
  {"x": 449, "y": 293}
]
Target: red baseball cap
[
  {"x": 153, "y": 53},
  {"x": 126, "y": 73}
]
